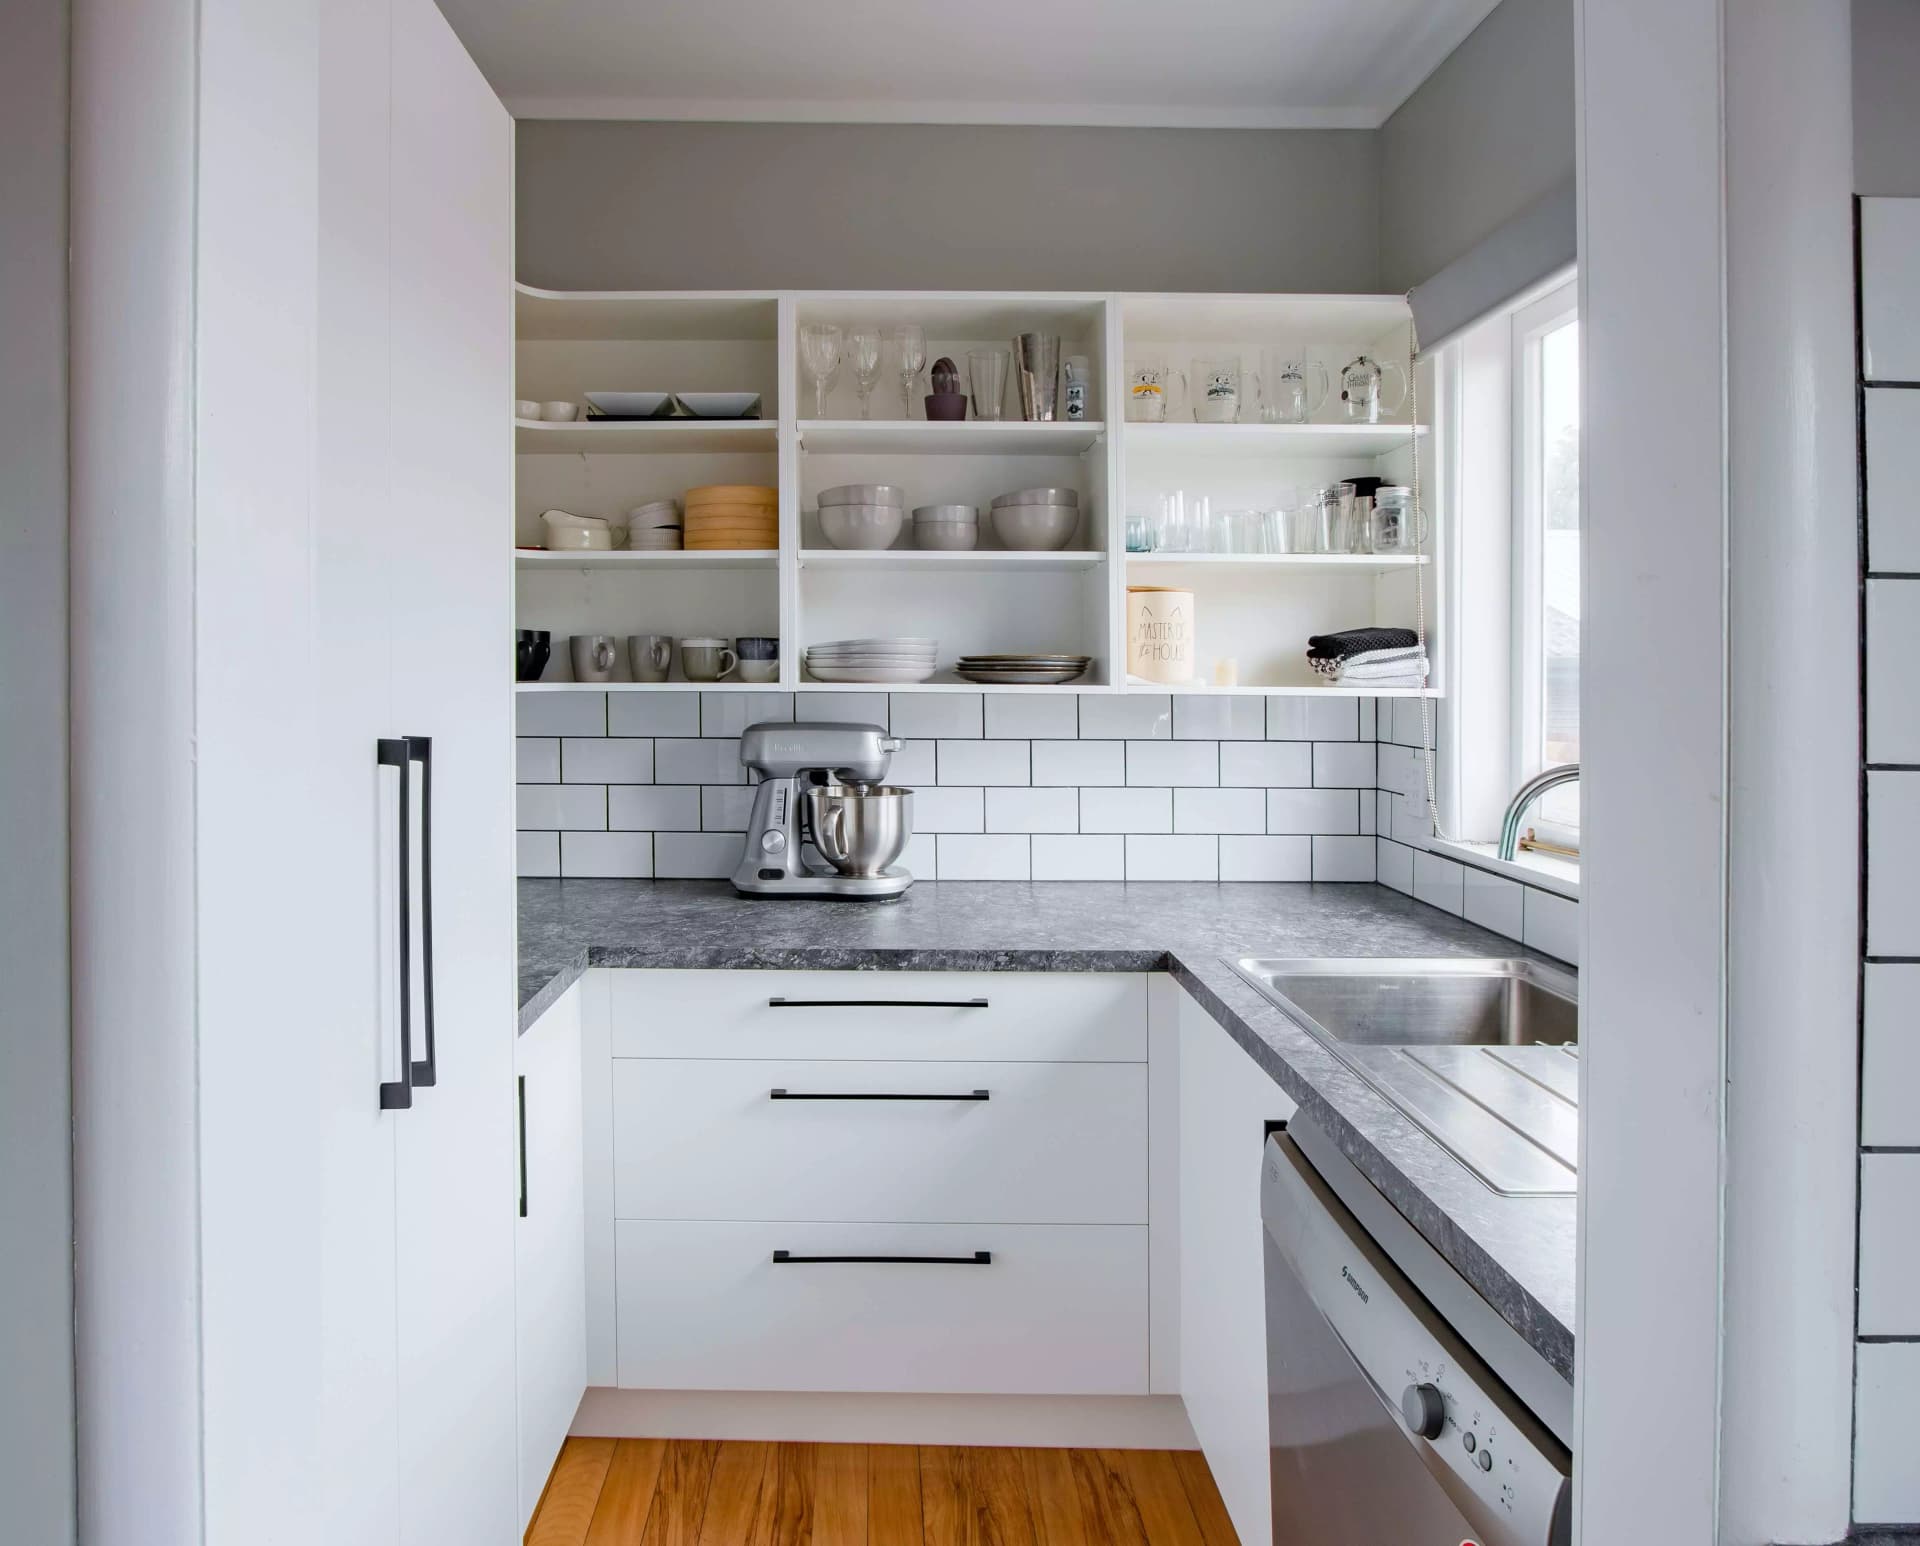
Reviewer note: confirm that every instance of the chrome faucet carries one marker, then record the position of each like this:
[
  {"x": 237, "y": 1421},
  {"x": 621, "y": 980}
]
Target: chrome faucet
[{"x": 1531, "y": 790}]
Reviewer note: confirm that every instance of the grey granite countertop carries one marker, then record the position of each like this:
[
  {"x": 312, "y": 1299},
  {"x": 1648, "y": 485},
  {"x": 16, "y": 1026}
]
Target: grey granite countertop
[{"x": 1517, "y": 1251}]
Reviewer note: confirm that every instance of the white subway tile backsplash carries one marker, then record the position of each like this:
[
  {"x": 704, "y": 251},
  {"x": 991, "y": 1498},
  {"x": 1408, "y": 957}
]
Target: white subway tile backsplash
[
  {"x": 607, "y": 855},
  {"x": 1886, "y": 1482},
  {"x": 1033, "y": 810},
  {"x": 1367, "y": 799},
  {"x": 1173, "y": 762},
  {"x": 698, "y": 762},
  {"x": 1266, "y": 858},
  {"x": 695, "y": 855},
  {"x": 1338, "y": 858},
  {"x": 1079, "y": 857},
  {"x": 1890, "y": 1067},
  {"x": 1893, "y": 495},
  {"x": 536, "y": 760},
  {"x": 1893, "y": 651},
  {"x": 1393, "y": 865},
  {"x": 1412, "y": 821},
  {"x": 1889, "y": 292},
  {"x": 1398, "y": 768},
  {"x": 931, "y": 715},
  {"x": 921, "y": 857},
  {"x": 1172, "y": 858},
  {"x": 1893, "y": 860},
  {"x": 1889, "y": 1245},
  {"x": 1147, "y": 717},
  {"x": 653, "y": 808},
  {"x": 1368, "y": 716},
  {"x": 1551, "y": 925},
  {"x": 1407, "y": 722},
  {"x": 1266, "y": 764},
  {"x": 560, "y": 713},
  {"x": 913, "y": 764},
  {"x": 1343, "y": 764},
  {"x": 843, "y": 708},
  {"x": 1219, "y": 810},
  {"x": 1018, "y": 716},
  {"x": 1307, "y": 811},
  {"x": 624, "y": 761},
  {"x": 1333, "y": 719},
  {"x": 537, "y": 853},
  {"x": 985, "y": 762},
  {"x": 561, "y": 808},
  {"x": 1438, "y": 882},
  {"x": 1126, "y": 810},
  {"x": 726, "y": 807},
  {"x": 653, "y": 713},
  {"x": 1230, "y": 717},
  {"x": 1079, "y": 762},
  {"x": 728, "y": 713},
  {"x": 1287, "y": 719},
  {"x": 948, "y": 808},
  {"x": 1494, "y": 902},
  {"x": 995, "y": 856}
]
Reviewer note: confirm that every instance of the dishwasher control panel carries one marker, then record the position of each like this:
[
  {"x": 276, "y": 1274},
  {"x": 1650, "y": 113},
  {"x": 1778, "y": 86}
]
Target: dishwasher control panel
[{"x": 1507, "y": 1475}]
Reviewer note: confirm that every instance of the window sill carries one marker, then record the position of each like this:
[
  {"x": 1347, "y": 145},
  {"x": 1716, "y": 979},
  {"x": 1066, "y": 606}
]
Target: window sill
[{"x": 1545, "y": 871}]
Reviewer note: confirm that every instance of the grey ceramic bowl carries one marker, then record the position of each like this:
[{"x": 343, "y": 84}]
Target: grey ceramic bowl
[
  {"x": 946, "y": 536},
  {"x": 861, "y": 526},
  {"x": 1035, "y": 528}
]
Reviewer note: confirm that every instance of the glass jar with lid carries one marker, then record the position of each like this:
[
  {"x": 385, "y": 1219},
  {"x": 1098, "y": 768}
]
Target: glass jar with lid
[{"x": 1399, "y": 527}]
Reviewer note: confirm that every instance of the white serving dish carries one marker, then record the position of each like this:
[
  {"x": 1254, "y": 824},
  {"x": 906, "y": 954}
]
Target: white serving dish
[
  {"x": 864, "y": 527},
  {"x": 888, "y": 675},
  {"x": 630, "y": 405},
  {"x": 946, "y": 536},
  {"x": 720, "y": 405}
]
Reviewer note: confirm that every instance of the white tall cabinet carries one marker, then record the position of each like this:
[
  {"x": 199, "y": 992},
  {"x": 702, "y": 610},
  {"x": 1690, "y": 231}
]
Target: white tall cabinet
[{"x": 291, "y": 365}]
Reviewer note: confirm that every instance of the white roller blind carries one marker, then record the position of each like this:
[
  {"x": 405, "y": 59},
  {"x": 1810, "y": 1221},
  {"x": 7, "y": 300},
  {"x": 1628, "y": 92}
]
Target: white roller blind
[{"x": 1535, "y": 245}]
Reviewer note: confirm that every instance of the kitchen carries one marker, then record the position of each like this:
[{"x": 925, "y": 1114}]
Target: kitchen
[{"x": 962, "y": 547}]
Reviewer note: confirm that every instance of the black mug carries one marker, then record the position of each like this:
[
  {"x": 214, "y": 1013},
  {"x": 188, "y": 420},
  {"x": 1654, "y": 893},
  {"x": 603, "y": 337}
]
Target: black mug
[{"x": 532, "y": 649}]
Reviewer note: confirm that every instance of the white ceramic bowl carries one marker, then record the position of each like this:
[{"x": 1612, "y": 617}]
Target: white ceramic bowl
[
  {"x": 861, "y": 526},
  {"x": 946, "y": 536},
  {"x": 559, "y": 413},
  {"x": 864, "y": 494},
  {"x": 525, "y": 408},
  {"x": 1036, "y": 528}
]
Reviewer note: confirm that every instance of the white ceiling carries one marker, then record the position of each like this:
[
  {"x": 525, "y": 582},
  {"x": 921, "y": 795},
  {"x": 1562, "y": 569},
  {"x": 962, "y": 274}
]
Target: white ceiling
[{"x": 1169, "y": 63}]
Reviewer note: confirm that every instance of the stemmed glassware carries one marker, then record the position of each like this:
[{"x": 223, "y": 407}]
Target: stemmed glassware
[
  {"x": 864, "y": 342},
  {"x": 911, "y": 340},
  {"x": 820, "y": 355}
]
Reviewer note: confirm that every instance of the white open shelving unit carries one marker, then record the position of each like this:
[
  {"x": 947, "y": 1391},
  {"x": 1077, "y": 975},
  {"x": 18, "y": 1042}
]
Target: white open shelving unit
[{"x": 1256, "y": 609}]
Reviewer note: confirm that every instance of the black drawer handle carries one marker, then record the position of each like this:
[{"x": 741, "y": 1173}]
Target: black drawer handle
[
  {"x": 876, "y": 1003},
  {"x": 867, "y": 1095},
  {"x": 977, "y": 1259}
]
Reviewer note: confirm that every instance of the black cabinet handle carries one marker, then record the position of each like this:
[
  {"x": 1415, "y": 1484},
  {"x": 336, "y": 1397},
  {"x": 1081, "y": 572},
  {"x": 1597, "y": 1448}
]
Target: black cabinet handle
[
  {"x": 977, "y": 1259},
  {"x": 866, "y": 1095},
  {"x": 397, "y": 1094},
  {"x": 420, "y": 750},
  {"x": 523, "y": 1145},
  {"x": 876, "y": 1003}
]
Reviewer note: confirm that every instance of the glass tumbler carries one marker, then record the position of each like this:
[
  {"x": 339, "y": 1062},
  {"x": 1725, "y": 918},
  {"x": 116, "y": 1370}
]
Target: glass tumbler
[{"x": 987, "y": 376}]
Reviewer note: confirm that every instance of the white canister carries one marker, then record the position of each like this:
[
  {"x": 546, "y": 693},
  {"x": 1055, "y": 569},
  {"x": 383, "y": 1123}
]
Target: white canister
[{"x": 1160, "y": 633}]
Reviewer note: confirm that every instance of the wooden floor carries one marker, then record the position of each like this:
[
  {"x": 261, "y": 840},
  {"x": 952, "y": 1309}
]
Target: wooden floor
[{"x": 691, "y": 1492}]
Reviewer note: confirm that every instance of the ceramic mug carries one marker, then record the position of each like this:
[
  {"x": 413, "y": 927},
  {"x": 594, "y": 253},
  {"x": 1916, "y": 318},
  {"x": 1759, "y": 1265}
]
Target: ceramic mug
[
  {"x": 532, "y": 648},
  {"x": 707, "y": 660},
  {"x": 594, "y": 656},
  {"x": 759, "y": 657},
  {"x": 650, "y": 655}
]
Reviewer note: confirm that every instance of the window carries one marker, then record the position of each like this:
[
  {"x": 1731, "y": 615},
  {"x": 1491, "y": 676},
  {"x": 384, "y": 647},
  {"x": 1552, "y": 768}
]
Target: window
[{"x": 1545, "y": 715}]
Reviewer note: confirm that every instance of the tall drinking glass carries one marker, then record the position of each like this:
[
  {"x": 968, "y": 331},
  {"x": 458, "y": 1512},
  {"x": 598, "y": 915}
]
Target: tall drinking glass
[
  {"x": 820, "y": 356},
  {"x": 987, "y": 374}
]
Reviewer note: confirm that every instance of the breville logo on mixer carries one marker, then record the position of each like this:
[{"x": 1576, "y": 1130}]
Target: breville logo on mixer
[{"x": 1354, "y": 1284}]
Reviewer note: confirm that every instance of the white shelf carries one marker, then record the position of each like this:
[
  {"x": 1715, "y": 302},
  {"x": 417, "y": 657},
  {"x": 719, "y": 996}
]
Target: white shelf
[
  {"x": 1363, "y": 562},
  {"x": 965, "y": 437},
  {"x": 1238, "y": 320},
  {"x": 980, "y": 559},
  {"x": 729, "y": 686},
  {"x": 724, "y": 558},
  {"x": 946, "y": 681},
  {"x": 1136, "y": 689},
  {"x": 640, "y": 437},
  {"x": 652, "y": 316},
  {"x": 1272, "y": 439}
]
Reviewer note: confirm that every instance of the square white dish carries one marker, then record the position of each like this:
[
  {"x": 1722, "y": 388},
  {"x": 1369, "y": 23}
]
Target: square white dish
[
  {"x": 719, "y": 405},
  {"x": 630, "y": 405}
]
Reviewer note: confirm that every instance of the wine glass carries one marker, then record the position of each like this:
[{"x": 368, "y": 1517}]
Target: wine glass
[
  {"x": 820, "y": 354},
  {"x": 865, "y": 344},
  {"x": 911, "y": 339}
]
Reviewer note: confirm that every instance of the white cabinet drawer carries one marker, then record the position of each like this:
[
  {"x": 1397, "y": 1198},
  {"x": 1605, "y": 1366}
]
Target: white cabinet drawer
[
  {"x": 1039, "y": 1017},
  {"x": 1059, "y": 1309},
  {"x": 1049, "y": 1143}
]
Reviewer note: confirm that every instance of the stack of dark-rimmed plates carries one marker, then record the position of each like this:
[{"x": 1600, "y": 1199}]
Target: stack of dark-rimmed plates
[
  {"x": 895, "y": 660},
  {"x": 1038, "y": 669}
]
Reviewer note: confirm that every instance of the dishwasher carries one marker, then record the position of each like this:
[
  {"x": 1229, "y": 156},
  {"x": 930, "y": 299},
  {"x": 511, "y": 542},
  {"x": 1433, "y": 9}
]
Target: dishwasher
[{"x": 1402, "y": 1410}]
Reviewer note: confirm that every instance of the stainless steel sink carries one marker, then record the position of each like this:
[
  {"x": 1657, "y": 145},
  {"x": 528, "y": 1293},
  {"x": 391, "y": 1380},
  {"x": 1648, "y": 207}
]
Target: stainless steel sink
[{"x": 1482, "y": 1054}]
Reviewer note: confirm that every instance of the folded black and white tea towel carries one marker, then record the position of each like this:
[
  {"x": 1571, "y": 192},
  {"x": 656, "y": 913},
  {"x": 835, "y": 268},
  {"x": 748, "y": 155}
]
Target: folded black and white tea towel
[{"x": 1359, "y": 641}]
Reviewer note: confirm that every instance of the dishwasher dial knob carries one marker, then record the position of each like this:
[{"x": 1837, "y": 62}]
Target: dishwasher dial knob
[{"x": 1424, "y": 1409}]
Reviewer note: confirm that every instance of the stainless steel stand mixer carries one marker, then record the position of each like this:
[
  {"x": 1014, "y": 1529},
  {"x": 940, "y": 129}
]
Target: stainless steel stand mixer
[{"x": 823, "y": 785}]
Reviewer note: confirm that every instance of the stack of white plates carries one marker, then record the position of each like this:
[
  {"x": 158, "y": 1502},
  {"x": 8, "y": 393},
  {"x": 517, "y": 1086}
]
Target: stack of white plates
[
  {"x": 1034, "y": 670},
  {"x": 873, "y": 660},
  {"x": 655, "y": 527}
]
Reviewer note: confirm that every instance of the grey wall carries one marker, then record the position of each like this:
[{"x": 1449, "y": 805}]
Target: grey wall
[
  {"x": 1486, "y": 135},
  {"x": 36, "y": 1264},
  {"x": 1886, "y": 108},
  {"x": 857, "y": 206}
]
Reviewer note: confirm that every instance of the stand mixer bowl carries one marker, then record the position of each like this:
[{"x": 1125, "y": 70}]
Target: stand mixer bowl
[{"x": 859, "y": 829}]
